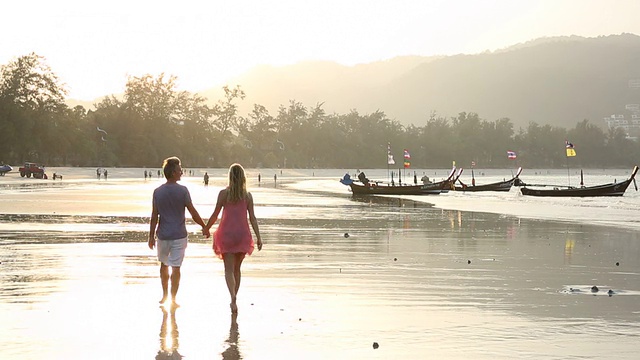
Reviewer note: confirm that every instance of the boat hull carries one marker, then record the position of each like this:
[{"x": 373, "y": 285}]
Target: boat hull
[
  {"x": 373, "y": 189},
  {"x": 501, "y": 186},
  {"x": 497, "y": 186},
  {"x": 600, "y": 190},
  {"x": 613, "y": 189}
]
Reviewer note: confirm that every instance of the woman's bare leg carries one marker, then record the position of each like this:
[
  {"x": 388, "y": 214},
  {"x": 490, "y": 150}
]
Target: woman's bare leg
[
  {"x": 236, "y": 270},
  {"x": 229, "y": 266}
]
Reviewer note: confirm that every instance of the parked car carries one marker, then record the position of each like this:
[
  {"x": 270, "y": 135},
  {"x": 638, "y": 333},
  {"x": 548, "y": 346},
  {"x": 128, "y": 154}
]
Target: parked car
[{"x": 32, "y": 169}]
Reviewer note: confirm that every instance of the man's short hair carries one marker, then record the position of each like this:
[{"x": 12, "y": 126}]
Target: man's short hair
[{"x": 169, "y": 165}]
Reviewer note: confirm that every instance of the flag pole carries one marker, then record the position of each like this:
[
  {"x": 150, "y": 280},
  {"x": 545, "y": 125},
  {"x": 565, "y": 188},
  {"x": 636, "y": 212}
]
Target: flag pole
[
  {"x": 568, "y": 175},
  {"x": 388, "y": 153},
  {"x": 388, "y": 172}
]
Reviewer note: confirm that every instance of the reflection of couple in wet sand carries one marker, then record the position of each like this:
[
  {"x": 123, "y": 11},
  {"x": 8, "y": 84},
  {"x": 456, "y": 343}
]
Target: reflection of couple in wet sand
[
  {"x": 169, "y": 338},
  {"x": 169, "y": 343},
  {"x": 232, "y": 352}
]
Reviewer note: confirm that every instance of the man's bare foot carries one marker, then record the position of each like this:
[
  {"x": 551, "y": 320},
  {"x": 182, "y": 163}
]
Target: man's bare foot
[
  {"x": 234, "y": 307},
  {"x": 164, "y": 298},
  {"x": 174, "y": 304}
]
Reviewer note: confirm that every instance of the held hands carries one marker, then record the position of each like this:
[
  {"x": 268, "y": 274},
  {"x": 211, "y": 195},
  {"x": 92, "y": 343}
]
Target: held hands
[{"x": 206, "y": 232}]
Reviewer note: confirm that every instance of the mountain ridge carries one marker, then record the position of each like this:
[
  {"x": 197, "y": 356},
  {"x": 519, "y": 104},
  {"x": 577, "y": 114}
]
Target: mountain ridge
[{"x": 553, "y": 80}]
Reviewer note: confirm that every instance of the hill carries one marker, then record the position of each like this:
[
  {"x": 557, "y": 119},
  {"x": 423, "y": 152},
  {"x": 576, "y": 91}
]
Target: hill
[{"x": 558, "y": 81}]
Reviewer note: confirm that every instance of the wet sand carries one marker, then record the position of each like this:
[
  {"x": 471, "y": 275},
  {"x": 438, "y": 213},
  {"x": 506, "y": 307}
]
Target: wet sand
[{"x": 420, "y": 281}]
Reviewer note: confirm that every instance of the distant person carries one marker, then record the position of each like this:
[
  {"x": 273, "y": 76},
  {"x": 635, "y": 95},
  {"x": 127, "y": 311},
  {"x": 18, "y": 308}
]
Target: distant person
[
  {"x": 275, "y": 178},
  {"x": 206, "y": 179},
  {"x": 106, "y": 173},
  {"x": 232, "y": 240},
  {"x": 168, "y": 226},
  {"x": 259, "y": 178},
  {"x": 158, "y": 174},
  {"x": 145, "y": 174},
  {"x": 98, "y": 173}
]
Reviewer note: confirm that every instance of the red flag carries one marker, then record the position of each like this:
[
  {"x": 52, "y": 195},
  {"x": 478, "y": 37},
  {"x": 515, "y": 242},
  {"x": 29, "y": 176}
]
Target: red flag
[{"x": 407, "y": 157}]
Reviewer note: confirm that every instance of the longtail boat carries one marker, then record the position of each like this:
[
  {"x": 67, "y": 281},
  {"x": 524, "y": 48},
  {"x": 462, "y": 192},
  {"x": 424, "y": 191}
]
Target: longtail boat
[
  {"x": 496, "y": 186},
  {"x": 612, "y": 189},
  {"x": 364, "y": 186}
]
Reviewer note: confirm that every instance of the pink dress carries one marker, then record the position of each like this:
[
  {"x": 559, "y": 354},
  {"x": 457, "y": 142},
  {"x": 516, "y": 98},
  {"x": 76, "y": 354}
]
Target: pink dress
[{"x": 233, "y": 234}]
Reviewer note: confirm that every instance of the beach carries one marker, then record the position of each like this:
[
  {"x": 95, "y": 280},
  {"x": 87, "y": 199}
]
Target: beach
[{"x": 444, "y": 277}]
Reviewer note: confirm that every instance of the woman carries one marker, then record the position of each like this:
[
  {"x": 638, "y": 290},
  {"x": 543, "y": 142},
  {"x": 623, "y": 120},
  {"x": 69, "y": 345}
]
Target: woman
[{"x": 232, "y": 240}]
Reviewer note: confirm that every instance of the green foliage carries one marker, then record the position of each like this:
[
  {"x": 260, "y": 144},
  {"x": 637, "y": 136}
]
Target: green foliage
[
  {"x": 154, "y": 120},
  {"x": 31, "y": 110}
]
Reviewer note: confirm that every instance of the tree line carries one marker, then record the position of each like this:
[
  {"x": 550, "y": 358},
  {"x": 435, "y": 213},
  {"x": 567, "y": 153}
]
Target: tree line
[{"x": 154, "y": 120}]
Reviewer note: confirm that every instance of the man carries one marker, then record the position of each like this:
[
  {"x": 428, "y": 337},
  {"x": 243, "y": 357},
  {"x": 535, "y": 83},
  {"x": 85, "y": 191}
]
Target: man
[{"x": 168, "y": 225}]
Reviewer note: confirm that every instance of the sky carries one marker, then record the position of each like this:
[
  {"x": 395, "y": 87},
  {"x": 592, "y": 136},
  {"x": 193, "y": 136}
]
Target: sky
[{"x": 93, "y": 47}]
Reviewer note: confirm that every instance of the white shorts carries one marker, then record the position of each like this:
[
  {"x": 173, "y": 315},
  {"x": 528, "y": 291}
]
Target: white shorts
[{"x": 171, "y": 252}]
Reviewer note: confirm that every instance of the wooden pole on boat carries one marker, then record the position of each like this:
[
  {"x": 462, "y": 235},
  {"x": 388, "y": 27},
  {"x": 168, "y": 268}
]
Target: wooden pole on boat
[
  {"x": 568, "y": 176},
  {"x": 390, "y": 161},
  {"x": 473, "y": 179},
  {"x": 581, "y": 178}
]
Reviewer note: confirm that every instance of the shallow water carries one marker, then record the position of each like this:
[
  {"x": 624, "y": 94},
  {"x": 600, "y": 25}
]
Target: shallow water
[{"x": 416, "y": 275}]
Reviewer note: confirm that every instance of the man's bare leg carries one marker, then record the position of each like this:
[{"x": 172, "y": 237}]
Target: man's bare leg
[
  {"x": 175, "y": 284},
  {"x": 164, "y": 280}
]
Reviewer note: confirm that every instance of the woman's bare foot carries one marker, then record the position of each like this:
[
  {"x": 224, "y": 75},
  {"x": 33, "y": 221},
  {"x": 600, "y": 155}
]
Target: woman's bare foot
[
  {"x": 164, "y": 298},
  {"x": 234, "y": 307}
]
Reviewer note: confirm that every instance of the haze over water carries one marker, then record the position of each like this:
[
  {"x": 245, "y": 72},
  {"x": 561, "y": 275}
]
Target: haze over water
[{"x": 452, "y": 276}]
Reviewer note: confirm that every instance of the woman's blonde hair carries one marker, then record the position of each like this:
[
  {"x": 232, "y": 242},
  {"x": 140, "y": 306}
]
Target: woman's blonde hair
[{"x": 237, "y": 184}]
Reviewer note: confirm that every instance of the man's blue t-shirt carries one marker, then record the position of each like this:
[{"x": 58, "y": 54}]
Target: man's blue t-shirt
[{"x": 171, "y": 199}]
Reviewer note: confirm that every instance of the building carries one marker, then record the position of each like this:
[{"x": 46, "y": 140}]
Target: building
[{"x": 630, "y": 124}]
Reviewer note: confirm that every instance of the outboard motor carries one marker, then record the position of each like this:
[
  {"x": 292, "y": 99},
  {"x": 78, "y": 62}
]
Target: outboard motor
[{"x": 346, "y": 180}]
